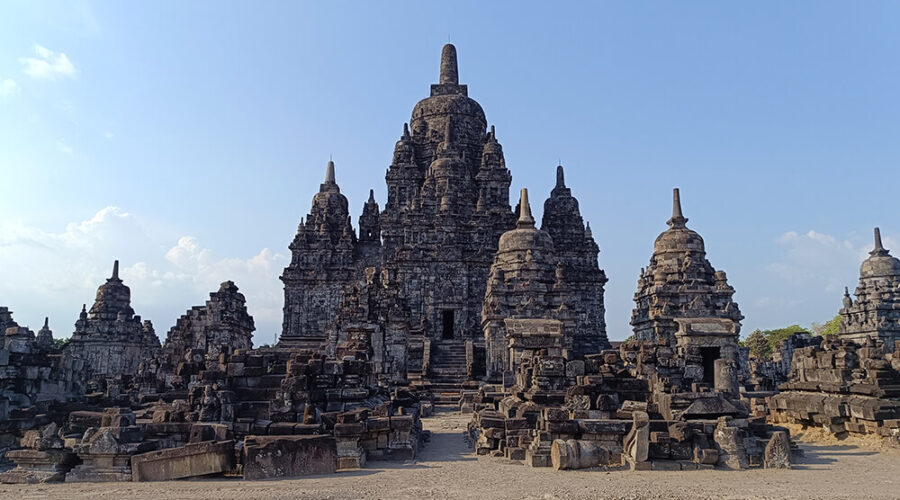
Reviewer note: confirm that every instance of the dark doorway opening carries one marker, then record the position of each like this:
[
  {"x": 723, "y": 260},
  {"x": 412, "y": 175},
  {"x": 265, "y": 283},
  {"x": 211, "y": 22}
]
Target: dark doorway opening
[
  {"x": 709, "y": 355},
  {"x": 447, "y": 324}
]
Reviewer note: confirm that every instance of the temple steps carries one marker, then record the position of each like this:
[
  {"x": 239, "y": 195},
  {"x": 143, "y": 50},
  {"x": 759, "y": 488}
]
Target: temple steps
[{"x": 447, "y": 372}]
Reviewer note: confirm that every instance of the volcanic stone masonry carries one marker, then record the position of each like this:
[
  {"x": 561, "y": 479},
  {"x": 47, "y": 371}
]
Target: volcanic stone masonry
[
  {"x": 202, "y": 334},
  {"x": 680, "y": 283},
  {"x": 529, "y": 304},
  {"x": 430, "y": 250},
  {"x": 876, "y": 311},
  {"x": 446, "y": 296},
  {"x": 111, "y": 339}
]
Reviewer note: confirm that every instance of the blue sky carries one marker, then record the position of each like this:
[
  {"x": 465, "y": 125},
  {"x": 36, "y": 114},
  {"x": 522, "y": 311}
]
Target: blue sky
[{"x": 187, "y": 138}]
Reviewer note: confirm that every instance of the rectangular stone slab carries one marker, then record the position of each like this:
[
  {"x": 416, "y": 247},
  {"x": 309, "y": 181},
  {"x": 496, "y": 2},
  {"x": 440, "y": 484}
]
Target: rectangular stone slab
[
  {"x": 267, "y": 457},
  {"x": 199, "y": 459}
]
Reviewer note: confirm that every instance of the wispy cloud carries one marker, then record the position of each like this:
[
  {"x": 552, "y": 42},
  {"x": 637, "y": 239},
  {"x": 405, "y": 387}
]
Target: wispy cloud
[
  {"x": 48, "y": 65},
  {"x": 8, "y": 87},
  {"x": 821, "y": 260},
  {"x": 65, "y": 148}
]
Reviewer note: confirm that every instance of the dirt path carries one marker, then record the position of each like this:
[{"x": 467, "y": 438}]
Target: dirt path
[{"x": 446, "y": 469}]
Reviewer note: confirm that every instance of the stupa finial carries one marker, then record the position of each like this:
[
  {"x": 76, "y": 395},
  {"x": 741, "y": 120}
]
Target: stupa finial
[
  {"x": 329, "y": 173},
  {"x": 525, "y": 218},
  {"x": 879, "y": 247},
  {"x": 449, "y": 69},
  {"x": 560, "y": 177},
  {"x": 115, "y": 273},
  {"x": 678, "y": 220}
]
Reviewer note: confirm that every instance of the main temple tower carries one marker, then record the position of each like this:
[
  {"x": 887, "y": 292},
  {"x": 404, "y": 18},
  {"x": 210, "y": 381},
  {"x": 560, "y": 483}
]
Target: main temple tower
[{"x": 448, "y": 204}]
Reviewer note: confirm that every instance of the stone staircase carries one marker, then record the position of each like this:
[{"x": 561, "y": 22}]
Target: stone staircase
[{"x": 448, "y": 371}]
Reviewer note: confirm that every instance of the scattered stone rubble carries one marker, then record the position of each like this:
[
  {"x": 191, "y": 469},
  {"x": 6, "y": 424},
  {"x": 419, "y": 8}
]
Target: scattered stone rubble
[
  {"x": 843, "y": 388},
  {"x": 444, "y": 297},
  {"x": 645, "y": 406}
]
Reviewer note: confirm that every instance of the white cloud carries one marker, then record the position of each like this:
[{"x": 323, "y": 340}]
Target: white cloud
[
  {"x": 65, "y": 148},
  {"x": 8, "y": 87},
  {"x": 55, "y": 272},
  {"x": 49, "y": 65},
  {"x": 821, "y": 260}
]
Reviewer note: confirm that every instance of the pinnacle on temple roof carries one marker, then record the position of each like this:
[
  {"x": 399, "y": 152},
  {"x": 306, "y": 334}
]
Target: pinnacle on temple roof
[
  {"x": 330, "y": 185},
  {"x": 371, "y": 196},
  {"x": 405, "y": 135},
  {"x": 115, "y": 272},
  {"x": 560, "y": 177},
  {"x": 449, "y": 68},
  {"x": 678, "y": 220},
  {"x": 879, "y": 248},
  {"x": 329, "y": 173},
  {"x": 525, "y": 218}
]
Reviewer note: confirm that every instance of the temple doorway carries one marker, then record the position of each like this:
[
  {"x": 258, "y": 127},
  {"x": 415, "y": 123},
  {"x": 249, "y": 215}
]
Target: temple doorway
[
  {"x": 709, "y": 355},
  {"x": 447, "y": 324}
]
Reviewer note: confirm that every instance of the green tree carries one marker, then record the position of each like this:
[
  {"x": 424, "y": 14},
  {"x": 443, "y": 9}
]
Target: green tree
[
  {"x": 758, "y": 344},
  {"x": 773, "y": 337},
  {"x": 830, "y": 327}
]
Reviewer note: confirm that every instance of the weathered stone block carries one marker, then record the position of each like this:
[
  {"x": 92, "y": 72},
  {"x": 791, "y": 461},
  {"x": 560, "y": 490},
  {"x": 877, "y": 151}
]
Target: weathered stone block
[
  {"x": 198, "y": 459},
  {"x": 267, "y": 457}
]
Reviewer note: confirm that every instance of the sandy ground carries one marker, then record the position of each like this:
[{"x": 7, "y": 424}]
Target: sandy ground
[{"x": 446, "y": 469}]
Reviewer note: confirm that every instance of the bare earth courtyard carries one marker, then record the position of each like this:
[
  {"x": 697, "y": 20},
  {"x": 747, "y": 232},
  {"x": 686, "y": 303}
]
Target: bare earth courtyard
[{"x": 447, "y": 468}]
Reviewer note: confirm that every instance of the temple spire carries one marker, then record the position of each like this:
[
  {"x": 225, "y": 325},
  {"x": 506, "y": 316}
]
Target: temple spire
[
  {"x": 560, "y": 177},
  {"x": 329, "y": 173},
  {"x": 525, "y": 218},
  {"x": 115, "y": 273},
  {"x": 879, "y": 247},
  {"x": 46, "y": 322},
  {"x": 678, "y": 220},
  {"x": 449, "y": 70},
  {"x": 371, "y": 196},
  {"x": 406, "y": 130}
]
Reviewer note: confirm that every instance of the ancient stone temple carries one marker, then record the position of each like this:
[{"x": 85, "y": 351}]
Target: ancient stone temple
[
  {"x": 45, "y": 335},
  {"x": 577, "y": 252},
  {"x": 205, "y": 332},
  {"x": 323, "y": 263},
  {"x": 448, "y": 204},
  {"x": 876, "y": 311},
  {"x": 680, "y": 284},
  {"x": 221, "y": 325},
  {"x": 527, "y": 304},
  {"x": 110, "y": 338}
]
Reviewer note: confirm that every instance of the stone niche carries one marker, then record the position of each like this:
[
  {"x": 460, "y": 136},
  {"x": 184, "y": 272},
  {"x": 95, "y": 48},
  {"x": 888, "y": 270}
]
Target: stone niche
[
  {"x": 715, "y": 341},
  {"x": 527, "y": 337}
]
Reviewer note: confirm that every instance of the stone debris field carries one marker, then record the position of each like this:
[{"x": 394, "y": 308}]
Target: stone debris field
[{"x": 451, "y": 346}]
